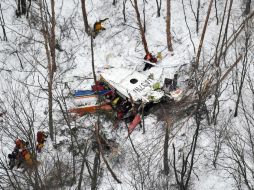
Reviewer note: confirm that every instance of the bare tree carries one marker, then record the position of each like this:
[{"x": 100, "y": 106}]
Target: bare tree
[
  {"x": 168, "y": 26},
  {"x": 243, "y": 72},
  {"x": 49, "y": 44},
  {"x": 169, "y": 123},
  {"x": 185, "y": 18},
  {"x": 20, "y": 122},
  {"x": 114, "y": 2},
  {"x": 84, "y": 12},
  {"x": 96, "y": 166},
  {"x": 141, "y": 29},
  {"x": 21, "y": 8},
  {"x": 144, "y": 15},
  {"x": 124, "y": 10},
  {"x": 203, "y": 34},
  {"x": 217, "y": 63},
  {"x": 196, "y": 15},
  {"x": 216, "y": 12},
  {"x": 3, "y": 24},
  {"x": 241, "y": 160},
  {"x": 158, "y": 3},
  {"x": 28, "y": 8},
  {"x": 92, "y": 55},
  {"x": 197, "y": 18},
  {"x": 247, "y": 8},
  {"x": 183, "y": 174}
]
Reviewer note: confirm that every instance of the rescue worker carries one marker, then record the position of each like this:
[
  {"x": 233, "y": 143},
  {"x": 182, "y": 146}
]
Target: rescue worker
[
  {"x": 98, "y": 26},
  {"x": 150, "y": 58},
  {"x": 41, "y": 138},
  {"x": 28, "y": 162},
  {"x": 26, "y": 157},
  {"x": 15, "y": 158},
  {"x": 20, "y": 144}
]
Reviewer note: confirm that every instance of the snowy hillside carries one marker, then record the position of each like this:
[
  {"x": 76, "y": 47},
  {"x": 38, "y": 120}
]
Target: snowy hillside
[{"x": 201, "y": 140}]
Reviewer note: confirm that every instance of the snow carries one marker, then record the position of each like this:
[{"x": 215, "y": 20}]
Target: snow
[{"x": 23, "y": 90}]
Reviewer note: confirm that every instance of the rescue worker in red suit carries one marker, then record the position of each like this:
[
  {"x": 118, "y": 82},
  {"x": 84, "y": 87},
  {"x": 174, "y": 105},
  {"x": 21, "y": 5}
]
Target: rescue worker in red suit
[
  {"x": 41, "y": 138},
  {"x": 16, "y": 157},
  {"x": 20, "y": 144},
  {"x": 150, "y": 58}
]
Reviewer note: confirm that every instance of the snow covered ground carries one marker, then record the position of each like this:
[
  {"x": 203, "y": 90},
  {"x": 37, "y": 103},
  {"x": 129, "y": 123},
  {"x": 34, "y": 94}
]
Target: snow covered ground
[{"x": 23, "y": 93}]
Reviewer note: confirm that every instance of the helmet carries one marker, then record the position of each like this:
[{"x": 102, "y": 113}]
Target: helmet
[{"x": 18, "y": 142}]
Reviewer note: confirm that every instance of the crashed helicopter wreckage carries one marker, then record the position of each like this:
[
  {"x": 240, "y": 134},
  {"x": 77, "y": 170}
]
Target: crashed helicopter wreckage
[
  {"x": 132, "y": 84},
  {"x": 121, "y": 88}
]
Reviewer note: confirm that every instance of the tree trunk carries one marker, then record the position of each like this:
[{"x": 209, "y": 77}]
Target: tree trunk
[
  {"x": 168, "y": 23},
  {"x": 96, "y": 166},
  {"x": 216, "y": 12},
  {"x": 158, "y": 3},
  {"x": 225, "y": 37},
  {"x": 52, "y": 40},
  {"x": 100, "y": 149},
  {"x": 144, "y": 16},
  {"x": 83, "y": 7},
  {"x": 124, "y": 9},
  {"x": 50, "y": 104},
  {"x": 183, "y": 174},
  {"x": 23, "y": 7},
  {"x": 197, "y": 18},
  {"x": 203, "y": 33},
  {"x": 216, "y": 107},
  {"x": 3, "y": 24},
  {"x": 19, "y": 6},
  {"x": 166, "y": 146},
  {"x": 28, "y": 9},
  {"x": 243, "y": 74},
  {"x": 247, "y": 8},
  {"x": 49, "y": 44},
  {"x": 141, "y": 29},
  {"x": 185, "y": 18},
  {"x": 52, "y": 69},
  {"x": 92, "y": 54}
]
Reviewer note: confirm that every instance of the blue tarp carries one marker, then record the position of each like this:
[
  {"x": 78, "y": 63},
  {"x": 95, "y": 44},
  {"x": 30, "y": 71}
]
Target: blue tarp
[{"x": 79, "y": 93}]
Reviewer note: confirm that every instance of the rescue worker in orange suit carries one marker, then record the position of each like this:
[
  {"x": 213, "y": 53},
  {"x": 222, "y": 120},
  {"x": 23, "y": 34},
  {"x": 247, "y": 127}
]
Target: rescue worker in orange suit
[
  {"x": 26, "y": 157},
  {"x": 98, "y": 26},
  {"x": 150, "y": 58},
  {"x": 41, "y": 138}
]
